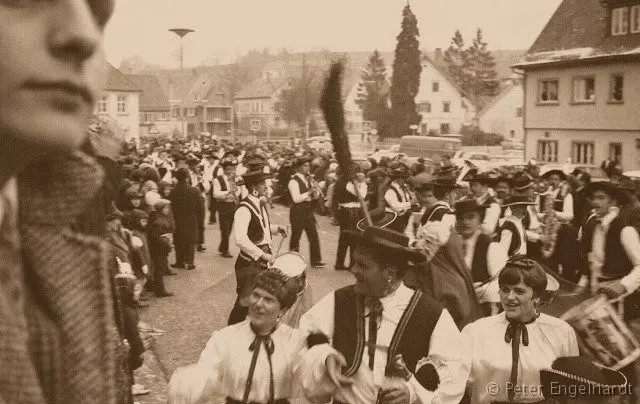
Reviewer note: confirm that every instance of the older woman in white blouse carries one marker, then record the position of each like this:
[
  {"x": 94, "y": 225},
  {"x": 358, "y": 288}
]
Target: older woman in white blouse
[{"x": 509, "y": 349}]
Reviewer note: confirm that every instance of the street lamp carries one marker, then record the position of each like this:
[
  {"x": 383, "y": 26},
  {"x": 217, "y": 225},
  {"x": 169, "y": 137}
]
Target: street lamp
[{"x": 181, "y": 32}]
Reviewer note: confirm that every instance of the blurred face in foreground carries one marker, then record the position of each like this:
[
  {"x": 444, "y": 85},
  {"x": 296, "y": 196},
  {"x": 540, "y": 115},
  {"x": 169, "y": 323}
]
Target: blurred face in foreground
[{"x": 50, "y": 72}]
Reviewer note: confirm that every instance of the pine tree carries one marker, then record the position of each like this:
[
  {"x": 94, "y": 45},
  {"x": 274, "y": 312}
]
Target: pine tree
[
  {"x": 374, "y": 92},
  {"x": 483, "y": 65},
  {"x": 406, "y": 76},
  {"x": 457, "y": 59}
]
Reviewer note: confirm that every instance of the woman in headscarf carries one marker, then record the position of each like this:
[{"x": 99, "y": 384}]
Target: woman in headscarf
[{"x": 509, "y": 349}]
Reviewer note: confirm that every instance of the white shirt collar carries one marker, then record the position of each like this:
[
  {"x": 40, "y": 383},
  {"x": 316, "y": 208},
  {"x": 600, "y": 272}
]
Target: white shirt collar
[
  {"x": 399, "y": 296},
  {"x": 608, "y": 218},
  {"x": 255, "y": 200}
]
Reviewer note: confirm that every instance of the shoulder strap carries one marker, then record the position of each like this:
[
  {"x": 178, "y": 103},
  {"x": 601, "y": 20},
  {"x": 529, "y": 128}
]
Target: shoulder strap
[{"x": 402, "y": 325}]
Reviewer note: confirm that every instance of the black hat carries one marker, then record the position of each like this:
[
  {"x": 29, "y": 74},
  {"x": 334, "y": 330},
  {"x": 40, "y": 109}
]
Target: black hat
[
  {"x": 582, "y": 175},
  {"x": 482, "y": 178},
  {"x": 302, "y": 160},
  {"x": 254, "y": 162},
  {"x": 182, "y": 174},
  {"x": 380, "y": 218},
  {"x": 578, "y": 376},
  {"x": 399, "y": 170},
  {"x": 388, "y": 240},
  {"x": 230, "y": 160},
  {"x": 617, "y": 190},
  {"x": 468, "y": 205},
  {"x": 517, "y": 200},
  {"x": 445, "y": 180},
  {"x": 559, "y": 173},
  {"x": 255, "y": 176},
  {"x": 522, "y": 181}
]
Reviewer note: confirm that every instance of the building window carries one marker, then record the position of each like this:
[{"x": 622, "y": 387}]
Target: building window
[
  {"x": 102, "y": 104},
  {"x": 548, "y": 91},
  {"x": 444, "y": 128},
  {"x": 582, "y": 152},
  {"x": 634, "y": 28},
  {"x": 446, "y": 106},
  {"x": 548, "y": 151},
  {"x": 616, "y": 88},
  {"x": 435, "y": 86},
  {"x": 615, "y": 152},
  {"x": 122, "y": 104},
  {"x": 424, "y": 107},
  {"x": 512, "y": 133},
  {"x": 190, "y": 112},
  {"x": 584, "y": 89},
  {"x": 620, "y": 21},
  {"x": 519, "y": 112}
]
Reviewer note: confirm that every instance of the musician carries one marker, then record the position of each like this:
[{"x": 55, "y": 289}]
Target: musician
[
  {"x": 523, "y": 185},
  {"x": 532, "y": 340},
  {"x": 398, "y": 197},
  {"x": 252, "y": 230},
  {"x": 562, "y": 208},
  {"x": 580, "y": 200},
  {"x": 440, "y": 216},
  {"x": 502, "y": 188},
  {"x": 425, "y": 198},
  {"x": 301, "y": 212},
  {"x": 227, "y": 194},
  {"x": 512, "y": 238},
  {"x": 479, "y": 185},
  {"x": 375, "y": 319},
  {"x": 469, "y": 218},
  {"x": 349, "y": 213}
]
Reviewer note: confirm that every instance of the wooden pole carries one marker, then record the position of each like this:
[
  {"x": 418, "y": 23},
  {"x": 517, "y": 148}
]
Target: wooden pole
[{"x": 363, "y": 203}]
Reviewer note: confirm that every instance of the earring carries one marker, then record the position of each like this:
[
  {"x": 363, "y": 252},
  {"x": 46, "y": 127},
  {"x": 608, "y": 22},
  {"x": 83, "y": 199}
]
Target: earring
[
  {"x": 536, "y": 312},
  {"x": 254, "y": 193}
]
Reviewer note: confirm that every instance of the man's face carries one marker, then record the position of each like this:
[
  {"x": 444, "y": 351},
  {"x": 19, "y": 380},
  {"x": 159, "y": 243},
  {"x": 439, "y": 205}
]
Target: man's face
[
  {"x": 229, "y": 170},
  {"x": 503, "y": 190},
  {"x": 426, "y": 198},
  {"x": 601, "y": 202},
  {"x": 368, "y": 272},
  {"x": 468, "y": 223},
  {"x": 554, "y": 180},
  {"x": 477, "y": 189},
  {"x": 305, "y": 168},
  {"x": 50, "y": 70}
]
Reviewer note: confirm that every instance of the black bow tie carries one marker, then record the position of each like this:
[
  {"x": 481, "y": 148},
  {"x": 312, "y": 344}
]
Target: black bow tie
[
  {"x": 516, "y": 331},
  {"x": 375, "y": 307},
  {"x": 262, "y": 339}
]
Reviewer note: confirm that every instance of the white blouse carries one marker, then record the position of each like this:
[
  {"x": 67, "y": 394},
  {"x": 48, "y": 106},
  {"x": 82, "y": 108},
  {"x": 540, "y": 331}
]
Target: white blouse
[
  {"x": 549, "y": 339},
  {"x": 224, "y": 366}
]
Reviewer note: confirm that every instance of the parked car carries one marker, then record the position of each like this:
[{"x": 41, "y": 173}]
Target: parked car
[
  {"x": 478, "y": 159},
  {"x": 597, "y": 174},
  {"x": 320, "y": 143}
]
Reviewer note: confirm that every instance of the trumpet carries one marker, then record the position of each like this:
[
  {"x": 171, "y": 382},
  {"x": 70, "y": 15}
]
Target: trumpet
[{"x": 314, "y": 188}]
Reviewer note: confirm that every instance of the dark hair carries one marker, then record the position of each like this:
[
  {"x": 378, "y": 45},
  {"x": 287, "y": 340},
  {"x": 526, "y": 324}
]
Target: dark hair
[
  {"x": 285, "y": 289},
  {"x": 386, "y": 257},
  {"x": 440, "y": 192},
  {"x": 521, "y": 269}
]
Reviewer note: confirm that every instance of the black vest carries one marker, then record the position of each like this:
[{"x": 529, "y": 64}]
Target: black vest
[
  {"x": 616, "y": 260},
  {"x": 411, "y": 338},
  {"x": 515, "y": 236},
  {"x": 435, "y": 213},
  {"x": 254, "y": 231},
  {"x": 342, "y": 195},
  {"x": 400, "y": 196},
  {"x": 586, "y": 242},
  {"x": 479, "y": 271},
  {"x": 558, "y": 202},
  {"x": 303, "y": 189},
  {"x": 223, "y": 183}
]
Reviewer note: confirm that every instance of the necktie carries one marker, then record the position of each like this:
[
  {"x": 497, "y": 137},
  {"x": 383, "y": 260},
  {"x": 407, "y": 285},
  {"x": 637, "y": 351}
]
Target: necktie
[
  {"x": 515, "y": 332},
  {"x": 255, "y": 348},
  {"x": 375, "y": 311}
]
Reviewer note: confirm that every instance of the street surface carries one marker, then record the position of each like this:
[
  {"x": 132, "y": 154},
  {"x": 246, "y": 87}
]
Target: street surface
[{"x": 204, "y": 298}]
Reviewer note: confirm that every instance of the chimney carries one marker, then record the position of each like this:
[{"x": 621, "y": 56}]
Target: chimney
[{"x": 437, "y": 54}]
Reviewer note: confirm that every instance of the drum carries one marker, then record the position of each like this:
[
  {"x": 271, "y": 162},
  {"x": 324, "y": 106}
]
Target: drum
[
  {"x": 349, "y": 215},
  {"x": 294, "y": 266},
  {"x": 602, "y": 334}
]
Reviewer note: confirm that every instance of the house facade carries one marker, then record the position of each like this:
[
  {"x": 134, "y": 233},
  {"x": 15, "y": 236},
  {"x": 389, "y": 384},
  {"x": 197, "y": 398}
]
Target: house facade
[
  {"x": 504, "y": 114},
  {"x": 155, "y": 110},
  {"x": 443, "y": 106},
  {"x": 206, "y": 108},
  {"x": 582, "y": 85},
  {"x": 119, "y": 103},
  {"x": 255, "y": 106}
]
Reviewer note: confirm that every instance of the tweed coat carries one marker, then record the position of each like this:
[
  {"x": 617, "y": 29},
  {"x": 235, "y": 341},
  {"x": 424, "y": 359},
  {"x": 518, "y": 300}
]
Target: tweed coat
[{"x": 58, "y": 336}]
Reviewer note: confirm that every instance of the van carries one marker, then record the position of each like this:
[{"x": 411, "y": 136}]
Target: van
[{"x": 432, "y": 147}]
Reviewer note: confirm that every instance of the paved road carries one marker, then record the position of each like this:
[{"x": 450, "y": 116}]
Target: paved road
[{"x": 204, "y": 297}]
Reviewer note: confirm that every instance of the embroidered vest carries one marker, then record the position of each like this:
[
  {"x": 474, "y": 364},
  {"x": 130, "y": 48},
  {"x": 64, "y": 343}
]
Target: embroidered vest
[
  {"x": 411, "y": 337},
  {"x": 479, "y": 271}
]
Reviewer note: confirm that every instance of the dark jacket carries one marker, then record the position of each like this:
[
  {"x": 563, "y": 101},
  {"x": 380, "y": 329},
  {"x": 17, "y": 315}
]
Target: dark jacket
[{"x": 185, "y": 205}]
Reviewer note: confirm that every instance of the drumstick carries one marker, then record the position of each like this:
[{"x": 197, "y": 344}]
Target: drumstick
[{"x": 280, "y": 243}]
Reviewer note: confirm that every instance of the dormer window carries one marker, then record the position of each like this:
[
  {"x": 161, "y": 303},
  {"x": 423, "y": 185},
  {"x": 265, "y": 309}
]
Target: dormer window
[{"x": 620, "y": 21}]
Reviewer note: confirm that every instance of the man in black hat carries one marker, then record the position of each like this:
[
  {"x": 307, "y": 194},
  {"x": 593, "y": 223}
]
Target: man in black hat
[
  {"x": 398, "y": 197},
  {"x": 253, "y": 230},
  {"x": 475, "y": 243},
  {"x": 479, "y": 186},
  {"x": 379, "y": 321},
  {"x": 301, "y": 213},
  {"x": 580, "y": 200},
  {"x": 524, "y": 185},
  {"x": 227, "y": 194}
]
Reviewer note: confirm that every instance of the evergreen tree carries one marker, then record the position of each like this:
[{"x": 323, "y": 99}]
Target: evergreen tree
[
  {"x": 483, "y": 80},
  {"x": 374, "y": 92},
  {"x": 406, "y": 76},
  {"x": 457, "y": 59}
]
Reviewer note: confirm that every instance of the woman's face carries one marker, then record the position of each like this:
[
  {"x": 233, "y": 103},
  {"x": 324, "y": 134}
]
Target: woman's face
[
  {"x": 518, "y": 301},
  {"x": 264, "y": 309},
  {"x": 144, "y": 223},
  {"x": 135, "y": 203}
]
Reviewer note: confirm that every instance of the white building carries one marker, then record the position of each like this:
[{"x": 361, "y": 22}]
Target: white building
[
  {"x": 119, "y": 103},
  {"x": 504, "y": 114},
  {"x": 443, "y": 106}
]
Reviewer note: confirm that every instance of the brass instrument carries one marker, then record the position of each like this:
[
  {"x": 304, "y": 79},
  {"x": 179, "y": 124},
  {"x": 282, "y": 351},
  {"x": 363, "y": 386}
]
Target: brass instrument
[
  {"x": 314, "y": 188},
  {"x": 233, "y": 190},
  {"x": 550, "y": 225}
]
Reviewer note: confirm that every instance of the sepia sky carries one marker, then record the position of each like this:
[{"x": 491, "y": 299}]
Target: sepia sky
[{"x": 227, "y": 28}]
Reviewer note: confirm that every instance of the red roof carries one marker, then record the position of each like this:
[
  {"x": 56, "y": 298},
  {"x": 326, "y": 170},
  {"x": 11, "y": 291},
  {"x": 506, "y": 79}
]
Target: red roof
[{"x": 579, "y": 30}]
